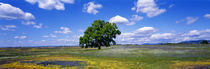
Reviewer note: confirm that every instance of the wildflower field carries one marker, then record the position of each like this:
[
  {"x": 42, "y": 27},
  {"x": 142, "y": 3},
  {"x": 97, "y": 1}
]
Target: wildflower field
[{"x": 182, "y": 56}]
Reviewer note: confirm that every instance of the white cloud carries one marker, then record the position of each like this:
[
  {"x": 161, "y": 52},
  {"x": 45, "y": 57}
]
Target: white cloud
[
  {"x": 8, "y": 11},
  {"x": 193, "y": 32},
  {"x": 149, "y": 35},
  {"x": 20, "y": 37},
  {"x": 133, "y": 8},
  {"x": 43, "y": 40},
  {"x": 91, "y": 7},
  {"x": 51, "y": 4},
  {"x": 131, "y": 23},
  {"x": 146, "y": 30},
  {"x": 45, "y": 36},
  {"x": 149, "y": 7},
  {"x": 64, "y": 30},
  {"x": 50, "y": 35},
  {"x": 136, "y": 18},
  {"x": 81, "y": 30},
  {"x": 74, "y": 40},
  {"x": 162, "y": 36},
  {"x": 28, "y": 23},
  {"x": 122, "y": 20},
  {"x": 172, "y": 5},
  {"x": 191, "y": 20},
  {"x": 68, "y": 1},
  {"x": 138, "y": 36},
  {"x": 118, "y": 19},
  {"x": 38, "y": 26},
  {"x": 65, "y": 40},
  {"x": 207, "y": 16},
  {"x": 8, "y": 27},
  {"x": 196, "y": 35}
]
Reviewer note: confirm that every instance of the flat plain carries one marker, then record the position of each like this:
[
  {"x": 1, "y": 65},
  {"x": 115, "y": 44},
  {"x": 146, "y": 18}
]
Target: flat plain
[{"x": 178, "y": 56}]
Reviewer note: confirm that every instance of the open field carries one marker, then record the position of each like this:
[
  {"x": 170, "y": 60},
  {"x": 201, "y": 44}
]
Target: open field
[{"x": 115, "y": 57}]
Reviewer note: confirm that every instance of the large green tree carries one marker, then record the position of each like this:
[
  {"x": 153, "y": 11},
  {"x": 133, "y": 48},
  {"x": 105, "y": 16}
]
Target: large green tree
[
  {"x": 204, "y": 42},
  {"x": 99, "y": 34}
]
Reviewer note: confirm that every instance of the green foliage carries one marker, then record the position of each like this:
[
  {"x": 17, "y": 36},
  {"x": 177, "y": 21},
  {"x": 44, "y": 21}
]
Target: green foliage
[
  {"x": 204, "y": 42},
  {"x": 99, "y": 34}
]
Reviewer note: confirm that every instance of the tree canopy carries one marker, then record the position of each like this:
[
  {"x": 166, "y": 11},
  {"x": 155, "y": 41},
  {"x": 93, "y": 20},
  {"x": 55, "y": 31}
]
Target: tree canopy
[
  {"x": 100, "y": 33},
  {"x": 204, "y": 42}
]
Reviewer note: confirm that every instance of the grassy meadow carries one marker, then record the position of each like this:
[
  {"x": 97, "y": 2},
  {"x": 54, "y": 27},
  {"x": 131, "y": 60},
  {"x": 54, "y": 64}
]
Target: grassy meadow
[{"x": 179, "y": 56}]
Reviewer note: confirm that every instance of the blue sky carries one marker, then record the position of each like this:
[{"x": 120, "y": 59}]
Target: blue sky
[{"x": 61, "y": 22}]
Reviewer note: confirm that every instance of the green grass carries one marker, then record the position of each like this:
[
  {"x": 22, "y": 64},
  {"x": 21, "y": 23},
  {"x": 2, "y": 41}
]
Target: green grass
[{"x": 140, "y": 56}]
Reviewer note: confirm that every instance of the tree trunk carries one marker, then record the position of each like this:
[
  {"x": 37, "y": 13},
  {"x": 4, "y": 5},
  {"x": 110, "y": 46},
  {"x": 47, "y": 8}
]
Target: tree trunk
[{"x": 99, "y": 47}]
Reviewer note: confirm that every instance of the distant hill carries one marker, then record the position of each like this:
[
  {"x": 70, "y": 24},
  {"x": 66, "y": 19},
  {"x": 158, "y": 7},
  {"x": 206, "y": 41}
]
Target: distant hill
[
  {"x": 152, "y": 43},
  {"x": 193, "y": 42},
  {"x": 184, "y": 42}
]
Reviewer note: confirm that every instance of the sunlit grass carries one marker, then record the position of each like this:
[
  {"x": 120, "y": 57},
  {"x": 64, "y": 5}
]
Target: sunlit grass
[
  {"x": 189, "y": 64},
  {"x": 90, "y": 63}
]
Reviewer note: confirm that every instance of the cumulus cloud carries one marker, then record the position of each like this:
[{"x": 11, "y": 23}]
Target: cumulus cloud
[
  {"x": 64, "y": 30},
  {"x": 162, "y": 36},
  {"x": 196, "y": 35},
  {"x": 122, "y": 20},
  {"x": 150, "y": 35},
  {"x": 8, "y": 11},
  {"x": 91, "y": 7},
  {"x": 51, "y": 4},
  {"x": 119, "y": 19},
  {"x": 8, "y": 27},
  {"x": 149, "y": 7},
  {"x": 145, "y": 30},
  {"x": 141, "y": 32},
  {"x": 20, "y": 37},
  {"x": 207, "y": 16},
  {"x": 138, "y": 36}
]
